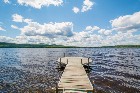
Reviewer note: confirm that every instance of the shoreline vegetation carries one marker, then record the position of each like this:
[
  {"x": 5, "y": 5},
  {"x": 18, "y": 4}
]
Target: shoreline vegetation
[{"x": 14, "y": 45}]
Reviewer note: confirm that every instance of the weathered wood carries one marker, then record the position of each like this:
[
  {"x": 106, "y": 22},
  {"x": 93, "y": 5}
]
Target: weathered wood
[{"x": 74, "y": 77}]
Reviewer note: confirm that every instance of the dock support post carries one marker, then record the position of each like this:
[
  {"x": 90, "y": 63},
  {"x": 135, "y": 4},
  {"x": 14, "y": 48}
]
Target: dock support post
[
  {"x": 67, "y": 61},
  {"x": 56, "y": 88},
  {"x": 88, "y": 63},
  {"x": 60, "y": 62},
  {"x": 64, "y": 55}
]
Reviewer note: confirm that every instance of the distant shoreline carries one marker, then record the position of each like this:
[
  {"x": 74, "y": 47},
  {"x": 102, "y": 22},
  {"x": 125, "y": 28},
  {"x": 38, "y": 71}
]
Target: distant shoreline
[{"x": 13, "y": 45}]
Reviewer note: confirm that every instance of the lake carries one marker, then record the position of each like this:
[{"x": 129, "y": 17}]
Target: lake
[{"x": 23, "y": 70}]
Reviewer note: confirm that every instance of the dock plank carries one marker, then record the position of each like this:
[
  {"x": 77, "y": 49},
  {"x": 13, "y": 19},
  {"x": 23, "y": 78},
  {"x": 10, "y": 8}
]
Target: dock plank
[{"x": 74, "y": 76}]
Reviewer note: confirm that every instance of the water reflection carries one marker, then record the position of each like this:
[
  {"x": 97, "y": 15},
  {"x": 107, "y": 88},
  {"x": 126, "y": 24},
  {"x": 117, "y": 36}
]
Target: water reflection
[{"x": 25, "y": 70}]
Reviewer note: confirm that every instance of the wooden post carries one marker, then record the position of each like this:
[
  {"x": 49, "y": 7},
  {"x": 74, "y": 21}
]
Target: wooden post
[
  {"x": 56, "y": 88},
  {"x": 64, "y": 54},
  {"x": 67, "y": 61},
  {"x": 60, "y": 62},
  {"x": 88, "y": 63},
  {"x": 81, "y": 61}
]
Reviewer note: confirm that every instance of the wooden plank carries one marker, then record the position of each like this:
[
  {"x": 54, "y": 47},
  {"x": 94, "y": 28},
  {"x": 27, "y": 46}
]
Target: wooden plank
[
  {"x": 74, "y": 60},
  {"x": 74, "y": 77}
]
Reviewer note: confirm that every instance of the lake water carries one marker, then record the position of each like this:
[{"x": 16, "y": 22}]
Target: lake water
[{"x": 23, "y": 70}]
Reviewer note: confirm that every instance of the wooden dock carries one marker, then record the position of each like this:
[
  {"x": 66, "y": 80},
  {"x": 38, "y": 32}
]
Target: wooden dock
[{"x": 74, "y": 78}]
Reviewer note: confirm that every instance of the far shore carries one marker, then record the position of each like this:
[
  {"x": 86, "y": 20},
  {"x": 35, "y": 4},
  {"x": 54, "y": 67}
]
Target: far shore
[{"x": 13, "y": 45}]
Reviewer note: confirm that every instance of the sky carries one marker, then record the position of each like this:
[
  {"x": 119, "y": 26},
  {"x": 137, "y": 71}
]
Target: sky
[{"x": 87, "y": 23}]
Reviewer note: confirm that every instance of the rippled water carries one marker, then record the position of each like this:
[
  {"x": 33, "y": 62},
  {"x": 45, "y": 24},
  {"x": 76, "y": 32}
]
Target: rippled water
[{"x": 24, "y": 70}]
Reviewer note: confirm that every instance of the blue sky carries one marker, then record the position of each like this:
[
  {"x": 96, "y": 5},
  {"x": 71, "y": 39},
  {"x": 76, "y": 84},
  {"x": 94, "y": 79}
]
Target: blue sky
[{"x": 70, "y": 22}]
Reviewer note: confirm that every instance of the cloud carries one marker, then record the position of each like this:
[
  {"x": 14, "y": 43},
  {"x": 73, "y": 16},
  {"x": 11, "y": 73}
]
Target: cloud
[
  {"x": 33, "y": 40},
  {"x": 6, "y": 39},
  {"x": 90, "y": 28},
  {"x": 50, "y": 30},
  {"x": 105, "y": 32},
  {"x": 75, "y": 9},
  {"x": 87, "y": 5},
  {"x": 40, "y": 3},
  {"x": 122, "y": 39},
  {"x": 14, "y": 27},
  {"x": 6, "y": 1},
  {"x": 127, "y": 23},
  {"x": 27, "y": 20},
  {"x": 84, "y": 39},
  {"x": 17, "y": 18},
  {"x": 2, "y": 29},
  {"x": 63, "y": 34}
]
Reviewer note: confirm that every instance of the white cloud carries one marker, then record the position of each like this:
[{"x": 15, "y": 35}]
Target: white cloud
[
  {"x": 95, "y": 28},
  {"x": 75, "y": 9},
  {"x": 27, "y": 20},
  {"x": 6, "y": 1},
  {"x": 121, "y": 39},
  {"x": 84, "y": 38},
  {"x": 2, "y": 29},
  {"x": 40, "y": 3},
  {"x": 49, "y": 30},
  {"x": 15, "y": 27},
  {"x": 87, "y": 5},
  {"x": 127, "y": 23},
  {"x": 90, "y": 28},
  {"x": 105, "y": 32},
  {"x": 17, "y": 18},
  {"x": 63, "y": 34},
  {"x": 6, "y": 39},
  {"x": 33, "y": 40}
]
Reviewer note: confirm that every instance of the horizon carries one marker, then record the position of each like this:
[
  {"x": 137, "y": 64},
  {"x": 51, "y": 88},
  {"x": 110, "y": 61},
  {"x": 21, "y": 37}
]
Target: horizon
[
  {"x": 88, "y": 23},
  {"x": 59, "y": 46}
]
